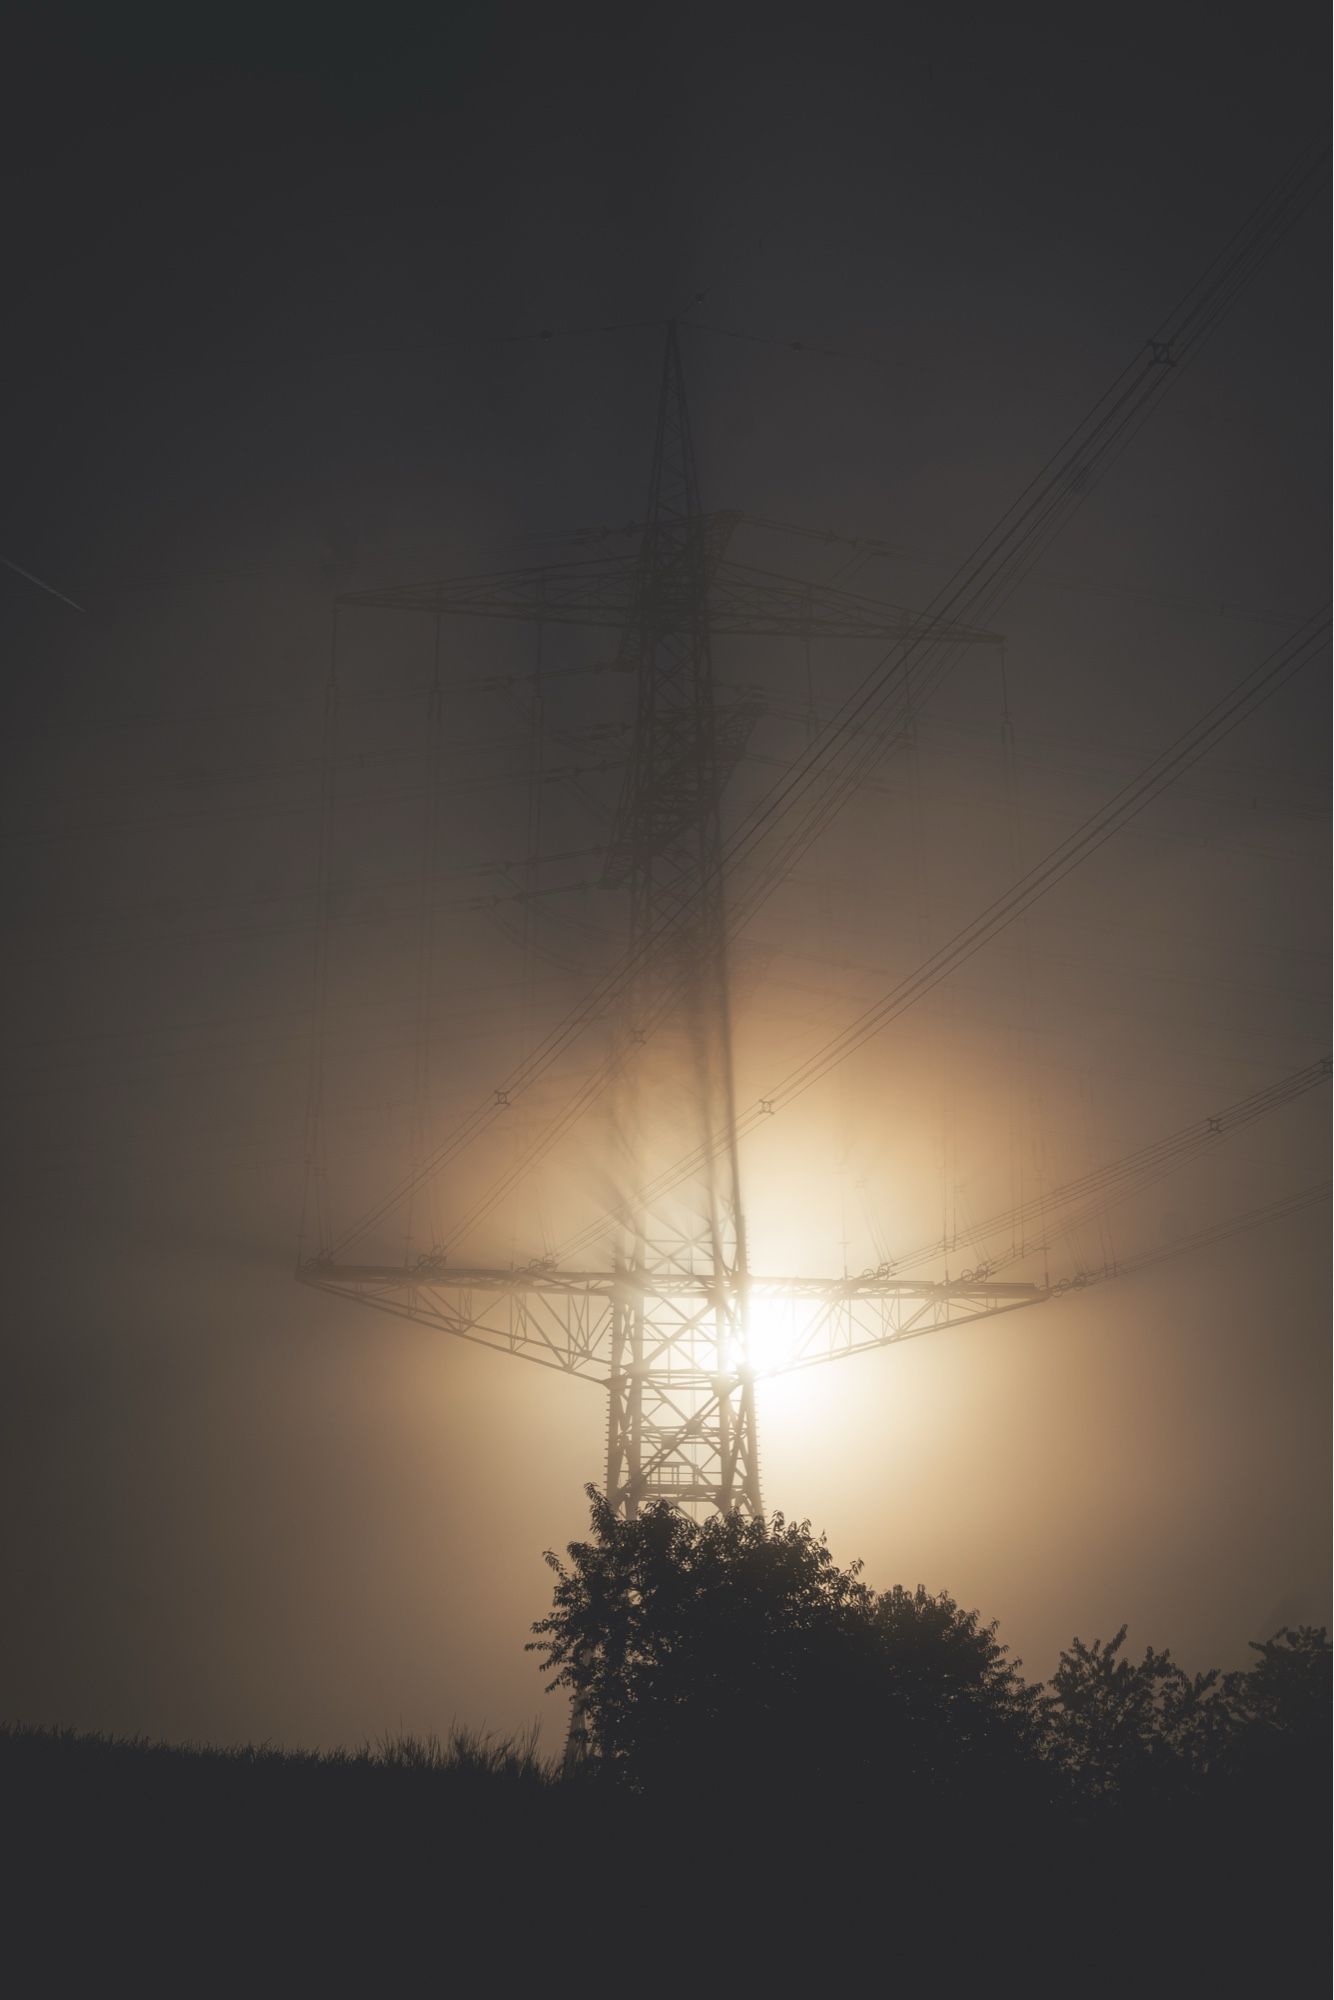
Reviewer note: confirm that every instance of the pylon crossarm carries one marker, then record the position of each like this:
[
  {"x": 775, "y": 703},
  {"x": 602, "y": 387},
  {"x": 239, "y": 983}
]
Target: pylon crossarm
[
  {"x": 763, "y": 604},
  {"x": 808, "y": 1321},
  {"x": 600, "y": 594},
  {"x": 587, "y": 593},
  {"x": 564, "y": 1319},
  {"x": 560, "y": 1323}
]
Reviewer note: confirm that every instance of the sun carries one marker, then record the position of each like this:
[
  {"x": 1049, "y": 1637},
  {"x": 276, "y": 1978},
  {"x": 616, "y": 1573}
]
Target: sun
[{"x": 773, "y": 1331}]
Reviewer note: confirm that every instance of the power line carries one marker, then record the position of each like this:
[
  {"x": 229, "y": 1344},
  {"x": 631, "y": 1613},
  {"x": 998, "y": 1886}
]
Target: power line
[
  {"x": 1218, "y": 721},
  {"x": 1236, "y": 1225},
  {"x": 867, "y": 548},
  {"x": 799, "y": 807},
  {"x": 1103, "y": 1187},
  {"x": 1274, "y": 1211}
]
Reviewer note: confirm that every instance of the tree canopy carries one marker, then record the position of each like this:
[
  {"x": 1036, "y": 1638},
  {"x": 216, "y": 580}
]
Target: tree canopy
[
  {"x": 735, "y": 1651},
  {"x": 741, "y": 1645}
]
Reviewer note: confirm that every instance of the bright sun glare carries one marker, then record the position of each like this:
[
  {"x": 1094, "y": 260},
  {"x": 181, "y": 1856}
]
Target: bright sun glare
[{"x": 773, "y": 1332}]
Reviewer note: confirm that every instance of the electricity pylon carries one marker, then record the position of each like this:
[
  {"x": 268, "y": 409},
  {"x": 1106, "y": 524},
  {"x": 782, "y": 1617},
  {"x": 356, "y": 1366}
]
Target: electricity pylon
[
  {"x": 663, "y": 1325},
  {"x": 662, "y": 1321}
]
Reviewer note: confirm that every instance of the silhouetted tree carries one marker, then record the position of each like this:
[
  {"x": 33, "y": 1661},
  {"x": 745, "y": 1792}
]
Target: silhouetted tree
[
  {"x": 1287, "y": 1691},
  {"x": 962, "y": 1705},
  {"x": 1279, "y": 1746},
  {"x": 1146, "y": 1733},
  {"x": 1125, "y": 1731},
  {"x": 737, "y": 1651}
]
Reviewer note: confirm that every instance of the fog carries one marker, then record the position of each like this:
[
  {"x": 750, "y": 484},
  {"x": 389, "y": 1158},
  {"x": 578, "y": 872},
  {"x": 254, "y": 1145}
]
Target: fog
[{"x": 276, "y": 337}]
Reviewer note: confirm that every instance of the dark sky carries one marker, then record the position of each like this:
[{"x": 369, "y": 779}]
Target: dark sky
[{"x": 273, "y": 292}]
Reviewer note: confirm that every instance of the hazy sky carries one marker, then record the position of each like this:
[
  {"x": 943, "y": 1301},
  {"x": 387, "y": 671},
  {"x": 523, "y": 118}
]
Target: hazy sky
[{"x": 272, "y": 306}]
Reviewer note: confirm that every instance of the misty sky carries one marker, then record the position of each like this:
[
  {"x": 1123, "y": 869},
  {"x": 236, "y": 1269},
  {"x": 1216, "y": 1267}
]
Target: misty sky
[{"x": 272, "y": 334}]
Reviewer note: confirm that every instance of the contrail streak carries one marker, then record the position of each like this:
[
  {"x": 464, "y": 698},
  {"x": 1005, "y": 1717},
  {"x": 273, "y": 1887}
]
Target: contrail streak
[{"x": 49, "y": 588}]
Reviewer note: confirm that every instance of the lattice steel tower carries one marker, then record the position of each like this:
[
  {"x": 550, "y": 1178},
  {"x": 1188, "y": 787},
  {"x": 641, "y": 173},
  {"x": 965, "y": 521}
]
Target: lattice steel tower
[
  {"x": 682, "y": 1394},
  {"x": 662, "y": 1323}
]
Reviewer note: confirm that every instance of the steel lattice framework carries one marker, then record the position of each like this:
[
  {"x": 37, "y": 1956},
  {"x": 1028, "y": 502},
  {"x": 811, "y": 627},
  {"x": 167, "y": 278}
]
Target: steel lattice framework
[
  {"x": 665, "y": 1326},
  {"x": 574, "y": 1321},
  {"x": 664, "y": 1322},
  {"x": 606, "y": 593}
]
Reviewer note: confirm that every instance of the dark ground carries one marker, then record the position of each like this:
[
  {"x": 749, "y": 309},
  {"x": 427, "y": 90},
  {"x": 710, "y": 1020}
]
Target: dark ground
[{"x": 407, "y": 1870}]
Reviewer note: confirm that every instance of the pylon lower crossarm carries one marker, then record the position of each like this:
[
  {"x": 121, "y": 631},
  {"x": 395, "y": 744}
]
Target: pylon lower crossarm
[
  {"x": 811, "y": 1321},
  {"x": 564, "y": 1319},
  {"x": 562, "y": 1324}
]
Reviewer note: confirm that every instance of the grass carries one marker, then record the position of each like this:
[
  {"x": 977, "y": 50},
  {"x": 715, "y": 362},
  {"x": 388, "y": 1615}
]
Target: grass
[{"x": 467, "y": 1755}]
